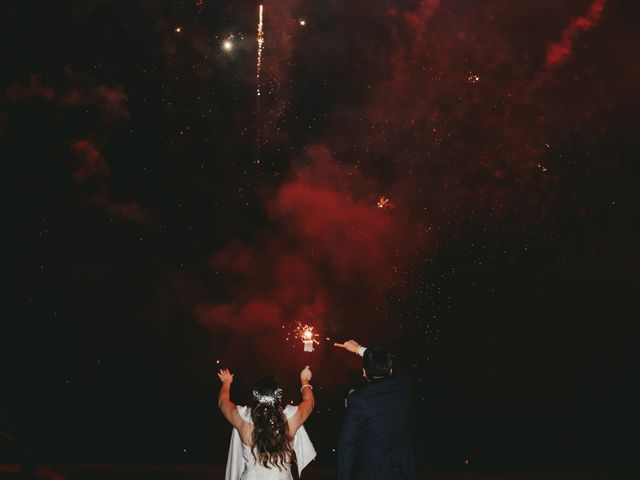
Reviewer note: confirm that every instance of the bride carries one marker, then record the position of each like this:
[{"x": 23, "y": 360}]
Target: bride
[{"x": 267, "y": 438}]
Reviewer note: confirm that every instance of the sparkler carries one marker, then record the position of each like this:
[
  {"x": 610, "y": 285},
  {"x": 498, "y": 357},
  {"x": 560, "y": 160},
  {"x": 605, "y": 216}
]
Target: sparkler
[
  {"x": 308, "y": 337},
  {"x": 305, "y": 334}
]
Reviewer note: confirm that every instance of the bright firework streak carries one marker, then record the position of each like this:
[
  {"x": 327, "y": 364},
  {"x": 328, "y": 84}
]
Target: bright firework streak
[
  {"x": 260, "y": 44},
  {"x": 260, "y": 38}
]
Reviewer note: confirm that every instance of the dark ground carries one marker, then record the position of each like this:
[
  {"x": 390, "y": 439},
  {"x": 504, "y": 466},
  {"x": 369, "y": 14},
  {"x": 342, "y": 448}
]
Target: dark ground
[{"x": 201, "y": 472}]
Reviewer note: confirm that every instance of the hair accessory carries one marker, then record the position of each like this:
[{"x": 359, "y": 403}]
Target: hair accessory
[{"x": 268, "y": 399}]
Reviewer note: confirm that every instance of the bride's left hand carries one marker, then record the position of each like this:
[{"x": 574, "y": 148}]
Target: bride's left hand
[{"x": 225, "y": 375}]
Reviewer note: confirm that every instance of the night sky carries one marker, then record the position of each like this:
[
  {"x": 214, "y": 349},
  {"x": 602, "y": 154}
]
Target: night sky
[{"x": 455, "y": 180}]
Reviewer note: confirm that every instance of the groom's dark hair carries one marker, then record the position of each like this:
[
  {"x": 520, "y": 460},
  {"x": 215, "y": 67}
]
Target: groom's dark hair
[{"x": 377, "y": 362}]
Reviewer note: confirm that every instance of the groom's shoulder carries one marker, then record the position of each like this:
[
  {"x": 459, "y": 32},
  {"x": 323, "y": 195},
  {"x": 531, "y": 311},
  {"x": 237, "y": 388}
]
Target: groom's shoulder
[{"x": 356, "y": 394}]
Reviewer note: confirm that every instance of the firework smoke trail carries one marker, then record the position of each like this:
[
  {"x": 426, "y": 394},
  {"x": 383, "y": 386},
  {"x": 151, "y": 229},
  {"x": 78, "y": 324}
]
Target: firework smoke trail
[
  {"x": 558, "y": 52},
  {"x": 260, "y": 37}
]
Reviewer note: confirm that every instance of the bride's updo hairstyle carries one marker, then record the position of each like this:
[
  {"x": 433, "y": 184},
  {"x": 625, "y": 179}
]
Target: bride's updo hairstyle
[{"x": 271, "y": 443}]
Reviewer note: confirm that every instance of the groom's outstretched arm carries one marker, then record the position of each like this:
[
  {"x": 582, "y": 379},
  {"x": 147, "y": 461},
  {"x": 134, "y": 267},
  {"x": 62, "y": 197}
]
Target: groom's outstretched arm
[
  {"x": 347, "y": 442},
  {"x": 351, "y": 346}
]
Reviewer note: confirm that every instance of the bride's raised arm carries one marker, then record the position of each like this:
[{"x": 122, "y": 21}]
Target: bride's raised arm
[
  {"x": 227, "y": 407},
  {"x": 306, "y": 406}
]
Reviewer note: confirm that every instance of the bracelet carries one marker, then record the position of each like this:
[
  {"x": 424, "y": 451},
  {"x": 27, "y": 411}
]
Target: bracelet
[{"x": 307, "y": 385}]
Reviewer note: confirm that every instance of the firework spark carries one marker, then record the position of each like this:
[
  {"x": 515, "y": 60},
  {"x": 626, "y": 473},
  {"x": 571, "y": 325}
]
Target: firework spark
[{"x": 384, "y": 202}]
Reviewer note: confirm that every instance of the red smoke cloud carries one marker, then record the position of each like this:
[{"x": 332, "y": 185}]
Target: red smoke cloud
[
  {"x": 34, "y": 89},
  {"x": 127, "y": 211},
  {"x": 111, "y": 101},
  {"x": 92, "y": 162},
  {"x": 558, "y": 52},
  {"x": 80, "y": 92},
  {"x": 92, "y": 169},
  {"x": 331, "y": 258},
  {"x": 458, "y": 122}
]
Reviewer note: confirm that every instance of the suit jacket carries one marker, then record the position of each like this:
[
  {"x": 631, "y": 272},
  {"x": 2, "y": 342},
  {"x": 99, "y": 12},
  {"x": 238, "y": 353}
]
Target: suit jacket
[{"x": 378, "y": 438}]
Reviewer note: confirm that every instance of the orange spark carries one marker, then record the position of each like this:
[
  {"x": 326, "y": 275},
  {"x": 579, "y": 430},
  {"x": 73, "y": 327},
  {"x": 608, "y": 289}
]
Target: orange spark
[
  {"x": 473, "y": 78},
  {"x": 384, "y": 202}
]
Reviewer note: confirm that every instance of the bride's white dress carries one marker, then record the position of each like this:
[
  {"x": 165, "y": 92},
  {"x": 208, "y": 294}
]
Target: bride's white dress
[
  {"x": 242, "y": 466},
  {"x": 256, "y": 471}
]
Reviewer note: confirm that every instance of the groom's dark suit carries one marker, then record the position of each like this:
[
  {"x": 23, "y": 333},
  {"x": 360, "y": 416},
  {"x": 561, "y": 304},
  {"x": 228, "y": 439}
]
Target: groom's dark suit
[{"x": 377, "y": 440}]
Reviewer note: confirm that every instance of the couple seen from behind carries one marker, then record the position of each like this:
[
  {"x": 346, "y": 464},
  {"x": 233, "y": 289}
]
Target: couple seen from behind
[{"x": 377, "y": 440}]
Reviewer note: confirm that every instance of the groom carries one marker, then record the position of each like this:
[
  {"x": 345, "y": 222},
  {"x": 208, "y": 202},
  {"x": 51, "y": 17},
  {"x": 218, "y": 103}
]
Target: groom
[{"x": 377, "y": 440}]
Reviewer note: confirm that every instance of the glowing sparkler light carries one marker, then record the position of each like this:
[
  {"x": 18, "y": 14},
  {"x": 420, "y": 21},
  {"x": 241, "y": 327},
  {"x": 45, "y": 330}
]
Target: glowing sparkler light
[
  {"x": 384, "y": 202},
  {"x": 473, "y": 78},
  {"x": 260, "y": 37},
  {"x": 177, "y": 29},
  {"x": 305, "y": 333},
  {"x": 302, "y": 22}
]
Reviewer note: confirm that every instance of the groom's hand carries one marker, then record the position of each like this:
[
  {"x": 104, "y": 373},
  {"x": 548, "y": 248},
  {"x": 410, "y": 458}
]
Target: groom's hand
[
  {"x": 225, "y": 375},
  {"x": 350, "y": 345}
]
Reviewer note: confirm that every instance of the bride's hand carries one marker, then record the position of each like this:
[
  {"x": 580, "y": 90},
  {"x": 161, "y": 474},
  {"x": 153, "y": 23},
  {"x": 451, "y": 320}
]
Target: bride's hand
[
  {"x": 225, "y": 375},
  {"x": 305, "y": 375}
]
